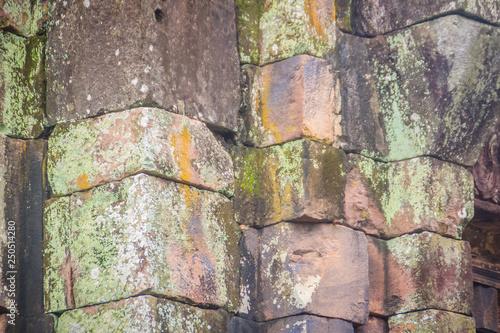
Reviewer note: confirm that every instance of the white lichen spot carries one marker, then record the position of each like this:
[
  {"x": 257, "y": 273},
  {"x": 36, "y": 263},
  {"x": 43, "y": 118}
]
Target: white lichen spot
[
  {"x": 151, "y": 48},
  {"x": 303, "y": 291},
  {"x": 144, "y": 88},
  {"x": 117, "y": 52},
  {"x": 144, "y": 121},
  {"x": 147, "y": 69},
  {"x": 94, "y": 274},
  {"x": 86, "y": 3},
  {"x": 415, "y": 117},
  {"x": 65, "y": 3},
  {"x": 89, "y": 97},
  {"x": 88, "y": 111},
  {"x": 6, "y": 8},
  {"x": 462, "y": 213},
  {"x": 134, "y": 81}
]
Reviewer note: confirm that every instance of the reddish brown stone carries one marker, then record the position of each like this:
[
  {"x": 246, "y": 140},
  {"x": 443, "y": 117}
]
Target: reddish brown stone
[
  {"x": 485, "y": 310},
  {"x": 431, "y": 321},
  {"x": 419, "y": 271},
  {"x": 374, "y": 325},
  {"x": 294, "y": 268}
]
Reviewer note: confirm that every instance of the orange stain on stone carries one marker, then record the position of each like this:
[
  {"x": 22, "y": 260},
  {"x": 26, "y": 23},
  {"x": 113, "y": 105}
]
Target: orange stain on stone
[
  {"x": 82, "y": 182},
  {"x": 182, "y": 144},
  {"x": 313, "y": 10},
  {"x": 265, "y": 109}
]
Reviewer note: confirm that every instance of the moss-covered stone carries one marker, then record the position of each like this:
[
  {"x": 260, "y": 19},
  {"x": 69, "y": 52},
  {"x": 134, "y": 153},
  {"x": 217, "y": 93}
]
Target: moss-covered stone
[
  {"x": 143, "y": 314},
  {"x": 431, "y": 321},
  {"x": 300, "y": 180},
  {"x": 21, "y": 85},
  {"x": 295, "y": 268},
  {"x": 275, "y": 30},
  {"x": 24, "y": 16},
  {"x": 429, "y": 90},
  {"x": 141, "y": 235},
  {"x": 292, "y": 99},
  {"x": 419, "y": 271},
  {"x": 92, "y": 152},
  {"x": 391, "y": 199}
]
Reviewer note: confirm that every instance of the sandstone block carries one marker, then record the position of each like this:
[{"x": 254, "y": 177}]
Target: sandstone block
[
  {"x": 275, "y": 30},
  {"x": 391, "y": 199},
  {"x": 292, "y": 99},
  {"x": 106, "y": 56},
  {"x": 143, "y": 314},
  {"x": 293, "y": 268},
  {"x": 92, "y": 152},
  {"x": 21, "y": 85},
  {"x": 419, "y": 271},
  {"x": 369, "y": 17},
  {"x": 374, "y": 325},
  {"x": 485, "y": 309},
  {"x": 24, "y": 17},
  {"x": 429, "y": 90},
  {"x": 300, "y": 180},
  {"x": 431, "y": 321},
  {"x": 307, "y": 324},
  {"x": 141, "y": 235}
]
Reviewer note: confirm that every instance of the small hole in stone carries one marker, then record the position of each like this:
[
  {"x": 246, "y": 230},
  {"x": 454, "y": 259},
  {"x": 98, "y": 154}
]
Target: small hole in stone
[{"x": 159, "y": 15}]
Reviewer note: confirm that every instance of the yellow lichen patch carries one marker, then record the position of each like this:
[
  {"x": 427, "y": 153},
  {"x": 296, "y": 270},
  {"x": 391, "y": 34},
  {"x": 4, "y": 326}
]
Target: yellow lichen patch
[
  {"x": 82, "y": 182},
  {"x": 266, "y": 111},
  {"x": 191, "y": 197},
  {"x": 182, "y": 149},
  {"x": 315, "y": 20}
]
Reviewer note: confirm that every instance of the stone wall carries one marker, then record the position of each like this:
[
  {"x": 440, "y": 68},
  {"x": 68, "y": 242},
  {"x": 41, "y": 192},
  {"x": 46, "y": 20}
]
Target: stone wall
[{"x": 242, "y": 166}]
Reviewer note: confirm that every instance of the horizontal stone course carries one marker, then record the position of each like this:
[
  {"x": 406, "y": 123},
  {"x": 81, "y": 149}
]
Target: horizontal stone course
[
  {"x": 141, "y": 235},
  {"x": 96, "y": 151},
  {"x": 392, "y": 199},
  {"x": 291, "y": 99},
  {"x": 413, "y": 92},
  {"x": 293, "y": 268},
  {"x": 300, "y": 323},
  {"x": 431, "y": 321},
  {"x": 419, "y": 271},
  {"x": 112, "y": 56},
  {"x": 300, "y": 180}
]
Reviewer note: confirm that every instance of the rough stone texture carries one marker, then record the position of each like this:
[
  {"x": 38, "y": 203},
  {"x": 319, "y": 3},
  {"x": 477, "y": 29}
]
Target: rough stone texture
[
  {"x": 141, "y": 235},
  {"x": 294, "y": 324},
  {"x": 431, "y": 321},
  {"x": 99, "y": 150},
  {"x": 485, "y": 244},
  {"x": 279, "y": 29},
  {"x": 298, "y": 181},
  {"x": 143, "y": 314},
  {"x": 23, "y": 16},
  {"x": 485, "y": 308},
  {"x": 291, "y": 99},
  {"x": 39, "y": 324},
  {"x": 374, "y": 325},
  {"x": 431, "y": 89},
  {"x": 109, "y": 56},
  {"x": 21, "y": 198},
  {"x": 391, "y": 199},
  {"x": 21, "y": 85},
  {"x": 375, "y": 17},
  {"x": 293, "y": 268},
  {"x": 419, "y": 271}
]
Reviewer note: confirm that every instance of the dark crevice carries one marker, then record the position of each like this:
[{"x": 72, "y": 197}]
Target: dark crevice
[{"x": 427, "y": 309}]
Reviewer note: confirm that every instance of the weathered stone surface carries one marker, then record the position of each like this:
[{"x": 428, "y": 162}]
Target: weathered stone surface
[
  {"x": 307, "y": 324},
  {"x": 24, "y": 17},
  {"x": 21, "y": 198},
  {"x": 374, "y": 17},
  {"x": 485, "y": 309},
  {"x": 391, "y": 199},
  {"x": 21, "y": 85},
  {"x": 431, "y": 90},
  {"x": 293, "y": 268},
  {"x": 141, "y": 235},
  {"x": 291, "y": 99},
  {"x": 374, "y": 325},
  {"x": 108, "y": 56},
  {"x": 39, "y": 324},
  {"x": 298, "y": 181},
  {"x": 431, "y": 321},
  {"x": 143, "y": 314},
  {"x": 274, "y": 30},
  {"x": 419, "y": 271},
  {"x": 99, "y": 150}
]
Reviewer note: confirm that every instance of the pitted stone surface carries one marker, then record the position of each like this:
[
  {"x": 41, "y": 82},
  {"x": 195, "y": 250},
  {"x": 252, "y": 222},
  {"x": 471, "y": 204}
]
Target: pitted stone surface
[
  {"x": 419, "y": 271},
  {"x": 275, "y": 30},
  {"x": 374, "y": 325},
  {"x": 391, "y": 199},
  {"x": 429, "y": 90},
  {"x": 109, "y": 56},
  {"x": 291, "y": 99},
  {"x": 25, "y": 17},
  {"x": 143, "y": 314},
  {"x": 375, "y": 17},
  {"x": 300, "y": 180},
  {"x": 141, "y": 235},
  {"x": 92, "y": 152},
  {"x": 293, "y": 268},
  {"x": 431, "y": 321},
  {"x": 21, "y": 85}
]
